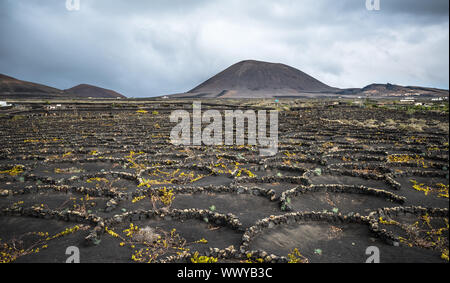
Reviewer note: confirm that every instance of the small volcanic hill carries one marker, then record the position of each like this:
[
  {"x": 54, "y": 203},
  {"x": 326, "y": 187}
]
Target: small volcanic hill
[
  {"x": 396, "y": 90},
  {"x": 253, "y": 79},
  {"x": 13, "y": 88},
  {"x": 85, "y": 90},
  {"x": 391, "y": 90}
]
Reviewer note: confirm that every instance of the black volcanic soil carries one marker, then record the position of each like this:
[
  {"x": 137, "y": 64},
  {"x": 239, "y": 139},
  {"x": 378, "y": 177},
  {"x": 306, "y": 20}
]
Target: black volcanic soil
[
  {"x": 344, "y": 243},
  {"x": 100, "y": 166}
]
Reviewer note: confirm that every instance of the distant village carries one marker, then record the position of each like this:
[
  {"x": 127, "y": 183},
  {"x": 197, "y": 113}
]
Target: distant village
[{"x": 46, "y": 108}]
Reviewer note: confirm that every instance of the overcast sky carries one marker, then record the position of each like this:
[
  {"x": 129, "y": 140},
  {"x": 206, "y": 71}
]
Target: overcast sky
[{"x": 154, "y": 47}]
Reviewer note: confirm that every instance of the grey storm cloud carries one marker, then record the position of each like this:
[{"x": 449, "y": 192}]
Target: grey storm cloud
[{"x": 155, "y": 47}]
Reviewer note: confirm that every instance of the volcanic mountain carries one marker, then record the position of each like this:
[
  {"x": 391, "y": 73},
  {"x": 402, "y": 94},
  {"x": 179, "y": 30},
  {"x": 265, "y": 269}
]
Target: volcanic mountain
[
  {"x": 13, "y": 88},
  {"x": 252, "y": 79},
  {"x": 85, "y": 90}
]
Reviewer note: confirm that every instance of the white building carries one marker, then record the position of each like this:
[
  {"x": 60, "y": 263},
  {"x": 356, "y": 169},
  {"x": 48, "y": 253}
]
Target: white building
[{"x": 4, "y": 104}]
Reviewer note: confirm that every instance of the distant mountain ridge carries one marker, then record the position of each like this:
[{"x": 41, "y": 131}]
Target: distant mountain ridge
[
  {"x": 391, "y": 90},
  {"x": 14, "y": 88},
  {"x": 246, "y": 79},
  {"x": 257, "y": 79}
]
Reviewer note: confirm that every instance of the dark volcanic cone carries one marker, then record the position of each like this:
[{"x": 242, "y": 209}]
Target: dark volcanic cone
[
  {"x": 85, "y": 90},
  {"x": 259, "y": 79}
]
